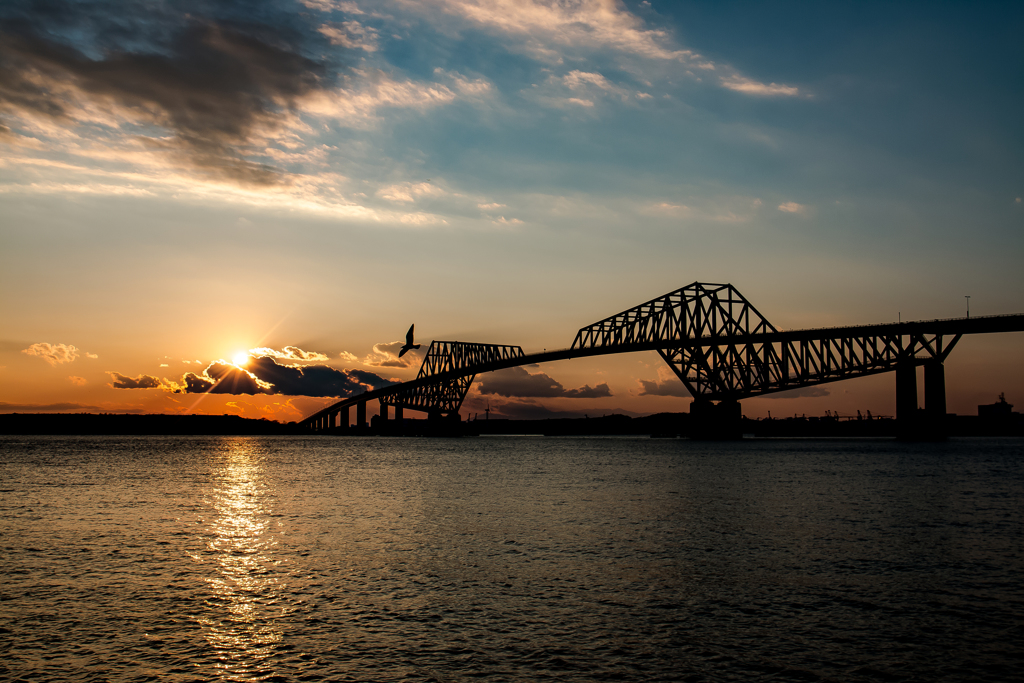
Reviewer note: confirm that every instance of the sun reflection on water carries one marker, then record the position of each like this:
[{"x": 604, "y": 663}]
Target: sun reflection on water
[{"x": 239, "y": 617}]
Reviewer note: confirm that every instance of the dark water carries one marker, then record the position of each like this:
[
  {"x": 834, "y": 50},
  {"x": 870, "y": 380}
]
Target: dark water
[{"x": 518, "y": 559}]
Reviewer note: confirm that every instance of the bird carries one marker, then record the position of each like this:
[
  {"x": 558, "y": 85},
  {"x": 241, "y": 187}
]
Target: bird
[{"x": 409, "y": 346}]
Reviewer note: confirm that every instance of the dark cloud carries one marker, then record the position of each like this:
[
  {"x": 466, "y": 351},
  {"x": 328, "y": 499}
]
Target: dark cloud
[
  {"x": 214, "y": 73},
  {"x": 43, "y": 407},
  {"x": 61, "y": 408},
  {"x": 587, "y": 391},
  {"x": 519, "y": 382},
  {"x": 667, "y": 387},
  {"x": 266, "y": 376},
  {"x": 803, "y": 392},
  {"x": 530, "y": 410},
  {"x": 140, "y": 382}
]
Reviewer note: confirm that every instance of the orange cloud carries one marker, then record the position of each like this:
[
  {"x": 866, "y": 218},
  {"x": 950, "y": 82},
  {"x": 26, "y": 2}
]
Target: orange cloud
[{"x": 54, "y": 354}]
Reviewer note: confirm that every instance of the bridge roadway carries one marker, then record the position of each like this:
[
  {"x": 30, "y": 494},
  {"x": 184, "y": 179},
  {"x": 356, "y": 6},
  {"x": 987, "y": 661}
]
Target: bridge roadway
[{"x": 949, "y": 326}]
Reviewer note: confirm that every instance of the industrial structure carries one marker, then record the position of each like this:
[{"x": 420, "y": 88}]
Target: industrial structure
[{"x": 720, "y": 347}]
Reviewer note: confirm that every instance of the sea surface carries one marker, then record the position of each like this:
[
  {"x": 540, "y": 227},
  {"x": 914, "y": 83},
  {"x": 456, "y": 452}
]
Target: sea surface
[{"x": 510, "y": 559}]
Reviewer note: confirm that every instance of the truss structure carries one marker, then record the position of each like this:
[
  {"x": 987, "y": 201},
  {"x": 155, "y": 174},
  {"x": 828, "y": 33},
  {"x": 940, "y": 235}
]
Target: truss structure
[
  {"x": 716, "y": 343},
  {"x": 692, "y": 312},
  {"x": 740, "y": 370},
  {"x": 722, "y": 348},
  {"x": 445, "y": 396}
]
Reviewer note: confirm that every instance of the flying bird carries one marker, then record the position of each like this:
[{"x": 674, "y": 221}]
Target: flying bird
[{"x": 409, "y": 346}]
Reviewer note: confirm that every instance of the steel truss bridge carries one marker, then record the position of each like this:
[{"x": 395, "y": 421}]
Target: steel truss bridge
[{"x": 720, "y": 347}]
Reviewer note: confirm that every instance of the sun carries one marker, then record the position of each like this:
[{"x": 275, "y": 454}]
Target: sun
[{"x": 240, "y": 359}]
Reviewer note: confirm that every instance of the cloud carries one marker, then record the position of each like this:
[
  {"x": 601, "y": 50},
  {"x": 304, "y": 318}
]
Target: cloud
[
  {"x": 803, "y": 392},
  {"x": 333, "y": 5},
  {"x": 58, "y": 407},
  {"x": 265, "y": 375},
  {"x": 792, "y": 207},
  {"x": 77, "y": 381},
  {"x": 140, "y": 382},
  {"x": 54, "y": 354},
  {"x": 351, "y": 34},
  {"x": 288, "y": 353},
  {"x": 409, "y": 192},
  {"x": 214, "y": 83},
  {"x": 374, "y": 91},
  {"x": 386, "y": 356},
  {"x": 544, "y": 27},
  {"x": 752, "y": 87},
  {"x": 670, "y": 386},
  {"x": 348, "y": 357},
  {"x": 530, "y": 410},
  {"x": 587, "y": 391},
  {"x": 519, "y": 382}
]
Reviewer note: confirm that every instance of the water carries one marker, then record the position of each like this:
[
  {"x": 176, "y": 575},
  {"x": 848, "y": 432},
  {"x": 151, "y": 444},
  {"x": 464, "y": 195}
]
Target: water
[{"x": 509, "y": 559}]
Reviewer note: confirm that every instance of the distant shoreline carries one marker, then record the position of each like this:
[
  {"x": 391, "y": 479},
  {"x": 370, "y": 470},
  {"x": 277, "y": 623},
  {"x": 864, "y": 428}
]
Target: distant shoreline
[{"x": 659, "y": 425}]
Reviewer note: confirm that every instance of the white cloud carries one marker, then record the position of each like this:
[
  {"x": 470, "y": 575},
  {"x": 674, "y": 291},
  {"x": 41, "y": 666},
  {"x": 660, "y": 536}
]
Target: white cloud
[
  {"x": 377, "y": 91},
  {"x": 54, "y": 354},
  {"x": 351, "y": 34},
  {"x": 752, "y": 87},
  {"x": 792, "y": 207},
  {"x": 577, "y": 79},
  {"x": 332, "y": 5},
  {"x": 469, "y": 87},
  {"x": 386, "y": 356},
  {"x": 490, "y": 207},
  {"x": 409, "y": 192},
  {"x": 545, "y": 26},
  {"x": 288, "y": 353}
]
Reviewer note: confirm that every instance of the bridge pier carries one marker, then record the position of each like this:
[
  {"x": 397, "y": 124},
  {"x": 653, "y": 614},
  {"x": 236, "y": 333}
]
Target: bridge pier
[
  {"x": 934, "y": 400},
  {"x": 911, "y": 422},
  {"x": 716, "y": 422},
  {"x": 906, "y": 399}
]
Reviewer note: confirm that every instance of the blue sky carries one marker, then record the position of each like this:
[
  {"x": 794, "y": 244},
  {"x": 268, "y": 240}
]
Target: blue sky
[{"x": 181, "y": 180}]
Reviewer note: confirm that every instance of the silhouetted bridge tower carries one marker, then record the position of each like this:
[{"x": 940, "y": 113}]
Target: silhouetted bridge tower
[{"x": 720, "y": 347}]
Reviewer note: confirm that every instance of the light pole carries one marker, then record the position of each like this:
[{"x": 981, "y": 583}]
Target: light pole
[{"x": 968, "y": 305}]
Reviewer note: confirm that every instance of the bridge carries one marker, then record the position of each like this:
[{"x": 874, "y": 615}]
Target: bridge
[{"x": 719, "y": 346}]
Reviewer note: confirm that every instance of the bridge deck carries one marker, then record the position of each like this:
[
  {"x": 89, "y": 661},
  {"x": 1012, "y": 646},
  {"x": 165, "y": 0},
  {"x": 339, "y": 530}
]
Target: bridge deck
[{"x": 949, "y": 326}]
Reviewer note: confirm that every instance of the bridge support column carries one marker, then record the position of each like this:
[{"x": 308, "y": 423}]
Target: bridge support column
[
  {"x": 906, "y": 399},
  {"x": 718, "y": 422},
  {"x": 346, "y": 417},
  {"x": 935, "y": 400},
  {"x": 361, "y": 415}
]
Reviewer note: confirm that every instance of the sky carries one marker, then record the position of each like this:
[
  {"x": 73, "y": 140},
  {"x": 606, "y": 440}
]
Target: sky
[{"x": 239, "y": 207}]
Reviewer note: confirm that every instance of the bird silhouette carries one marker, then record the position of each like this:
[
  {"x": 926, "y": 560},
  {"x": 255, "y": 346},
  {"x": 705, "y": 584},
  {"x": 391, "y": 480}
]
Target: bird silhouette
[{"x": 409, "y": 346}]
